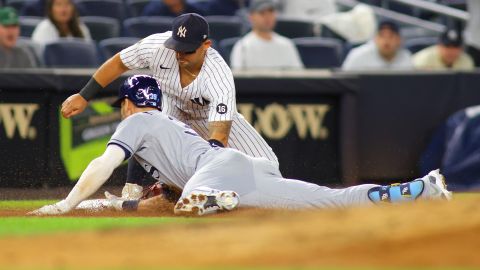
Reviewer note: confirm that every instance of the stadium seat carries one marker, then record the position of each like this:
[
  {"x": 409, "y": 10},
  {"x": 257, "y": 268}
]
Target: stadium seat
[
  {"x": 135, "y": 7},
  {"x": 70, "y": 53},
  {"x": 34, "y": 48},
  {"x": 144, "y": 26},
  {"x": 104, "y": 8},
  {"x": 319, "y": 52},
  {"x": 347, "y": 47},
  {"x": 16, "y": 4},
  {"x": 409, "y": 32},
  {"x": 294, "y": 28},
  {"x": 226, "y": 46},
  {"x": 222, "y": 27},
  {"x": 102, "y": 27},
  {"x": 417, "y": 44},
  {"x": 28, "y": 24},
  {"x": 109, "y": 47}
]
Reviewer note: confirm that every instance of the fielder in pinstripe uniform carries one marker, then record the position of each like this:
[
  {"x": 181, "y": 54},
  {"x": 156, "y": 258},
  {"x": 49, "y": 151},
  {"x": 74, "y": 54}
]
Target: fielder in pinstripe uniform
[{"x": 197, "y": 87}]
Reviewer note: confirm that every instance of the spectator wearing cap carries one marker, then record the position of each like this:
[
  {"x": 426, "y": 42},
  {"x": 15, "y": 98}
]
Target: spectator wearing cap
[
  {"x": 448, "y": 54},
  {"x": 385, "y": 52},
  {"x": 12, "y": 56},
  {"x": 262, "y": 48},
  {"x": 170, "y": 8}
]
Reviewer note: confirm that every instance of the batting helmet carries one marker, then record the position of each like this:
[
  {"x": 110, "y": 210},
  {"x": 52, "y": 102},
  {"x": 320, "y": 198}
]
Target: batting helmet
[{"x": 142, "y": 90}]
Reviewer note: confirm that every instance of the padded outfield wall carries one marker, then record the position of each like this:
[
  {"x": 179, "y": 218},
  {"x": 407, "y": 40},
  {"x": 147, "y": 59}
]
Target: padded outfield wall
[{"x": 326, "y": 128}]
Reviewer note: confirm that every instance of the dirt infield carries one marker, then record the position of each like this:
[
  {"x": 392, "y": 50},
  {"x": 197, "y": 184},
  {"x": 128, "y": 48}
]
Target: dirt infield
[{"x": 420, "y": 234}]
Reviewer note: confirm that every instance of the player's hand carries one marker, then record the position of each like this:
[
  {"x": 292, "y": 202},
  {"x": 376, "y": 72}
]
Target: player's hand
[
  {"x": 50, "y": 210},
  {"x": 73, "y": 105}
]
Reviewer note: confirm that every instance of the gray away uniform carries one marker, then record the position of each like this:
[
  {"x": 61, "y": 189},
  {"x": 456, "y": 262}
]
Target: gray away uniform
[{"x": 173, "y": 152}]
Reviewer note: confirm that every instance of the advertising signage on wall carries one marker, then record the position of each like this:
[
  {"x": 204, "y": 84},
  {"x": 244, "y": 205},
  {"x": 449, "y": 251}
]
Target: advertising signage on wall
[
  {"x": 298, "y": 118},
  {"x": 303, "y": 134},
  {"x": 22, "y": 140},
  {"x": 85, "y": 136}
]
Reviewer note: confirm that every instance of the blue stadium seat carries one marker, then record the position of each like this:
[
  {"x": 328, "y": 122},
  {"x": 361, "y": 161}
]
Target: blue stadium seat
[
  {"x": 110, "y": 47},
  {"x": 417, "y": 44},
  {"x": 28, "y": 24},
  {"x": 222, "y": 27},
  {"x": 70, "y": 53},
  {"x": 104, "y": 8},
  {"x": 16, "y": 4},
  {"x": 135, "y": 7},
  {"x": 294, "y": 28},
  {"x": 144, "y": 26},
  {"x": 102, "y": 27},
  {"x": 34, "y": 48},
  {"x": 226, "y": 46},
  {"x": 319, "y": 52}
]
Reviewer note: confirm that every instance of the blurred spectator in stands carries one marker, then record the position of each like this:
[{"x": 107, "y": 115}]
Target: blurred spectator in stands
[
  {"x": 34, "y": 8},
  {"x": 12, "y": 56},
  {"x": 262, "y": 47},
  {"x": 472, "y": 32},
  {"x": 62, "y": 22},
  {"x": 170, "y": 8},
  {"x": 225, "y": 7},
  {"x": 384, "y": 52},
  {"x": 447, "y": 54}
]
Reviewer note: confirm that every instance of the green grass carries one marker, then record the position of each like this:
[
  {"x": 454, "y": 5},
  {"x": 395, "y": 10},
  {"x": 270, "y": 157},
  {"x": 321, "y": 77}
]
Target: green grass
[
  {"x": 14, "y": 226},
  {"x": 20, "y": 226},
  {"x": 23, "y": 226},
  {"x": 26, "y": 204}
]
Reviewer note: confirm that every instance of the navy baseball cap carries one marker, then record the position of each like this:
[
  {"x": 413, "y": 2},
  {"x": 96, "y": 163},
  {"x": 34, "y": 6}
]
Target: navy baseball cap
[
  {"x": 451, "y": 38},
  {"x": 389, "y": 24},
  {"x": 142, "y": 90},
  {"x": 189, "y": 31}
]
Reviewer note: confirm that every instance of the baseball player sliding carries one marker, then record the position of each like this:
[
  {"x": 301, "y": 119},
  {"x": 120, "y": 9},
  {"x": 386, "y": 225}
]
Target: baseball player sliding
[
  {"x": 197, "y": 86},
  {"x": 213, "y": 178}
]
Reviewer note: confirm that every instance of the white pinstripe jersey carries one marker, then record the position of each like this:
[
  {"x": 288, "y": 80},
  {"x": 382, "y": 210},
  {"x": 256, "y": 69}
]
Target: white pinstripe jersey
[{"x": 210, "y": 97}]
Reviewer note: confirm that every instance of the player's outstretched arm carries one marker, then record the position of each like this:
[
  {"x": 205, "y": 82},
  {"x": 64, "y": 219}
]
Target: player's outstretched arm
[
  {"x": 107, "y": 73},
  {"x": 219, "y": 132},
  {"x": 94, "y": 176}
]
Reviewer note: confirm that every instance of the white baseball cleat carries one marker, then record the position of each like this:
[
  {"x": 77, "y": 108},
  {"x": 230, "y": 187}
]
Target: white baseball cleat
[
  {"x": 129, "y": 192},
  {"x": 435, "y": 186},
  {"x": 132, "y": 191},
  {"x": 201, "y": 203}
]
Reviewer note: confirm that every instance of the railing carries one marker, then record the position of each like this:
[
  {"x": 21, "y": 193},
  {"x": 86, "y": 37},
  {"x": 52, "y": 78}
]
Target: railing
[
  {"x": 436, "y": 8},
  {"x": 410, "y": 20},
  {"x": 402, "y": 18}
]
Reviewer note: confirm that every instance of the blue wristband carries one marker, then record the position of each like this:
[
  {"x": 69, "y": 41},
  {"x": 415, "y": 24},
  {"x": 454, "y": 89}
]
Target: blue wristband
[{"x": 130, "y": 206}]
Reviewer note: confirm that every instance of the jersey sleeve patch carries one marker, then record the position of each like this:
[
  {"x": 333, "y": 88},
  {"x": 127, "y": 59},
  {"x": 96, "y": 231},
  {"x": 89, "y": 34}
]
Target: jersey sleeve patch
[{"x": 222, "y": 108}]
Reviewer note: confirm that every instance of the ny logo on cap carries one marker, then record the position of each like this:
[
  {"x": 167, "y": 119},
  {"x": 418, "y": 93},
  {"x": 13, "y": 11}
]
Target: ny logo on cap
[{"x": 182, "y": 31}]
